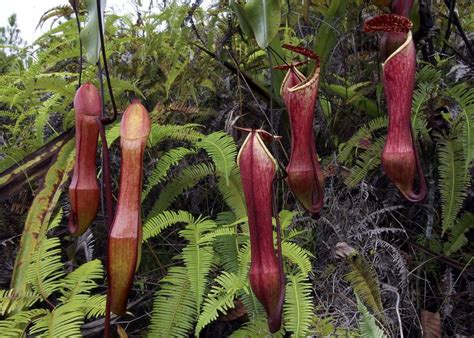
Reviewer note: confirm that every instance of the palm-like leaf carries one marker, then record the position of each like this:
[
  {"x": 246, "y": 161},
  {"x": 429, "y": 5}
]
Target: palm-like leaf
[
  {"x": 458, "y": 238},
  {"x": 368, "y": 326},
  {"x": 157, "y": 223},
  {"x": 298, "y": 306},
  {"x": 198, "y": 255},
  {"x": 452, "y": 179},
  {"x": 174, "y": 307},
  {"x": 46, "y": 269},
  {"x": 163, "y": 164},
  {"x": 188, "y": 178},
  {"x": 222, "y": 149}
]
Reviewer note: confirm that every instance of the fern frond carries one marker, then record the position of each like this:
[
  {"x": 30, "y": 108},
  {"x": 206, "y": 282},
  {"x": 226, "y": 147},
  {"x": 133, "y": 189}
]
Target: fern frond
[
  {"x": 46, "y": 269},
  {"x": 297, "y": 255},
  {"x": 458, "y": 238},
  {"x": 219, "y": 299},
  {"x": 14, "y": 326},
  {"x": 452, "y": 180},
  {"x": 298, "y": 307},
  {"x": 422, "y": 94},
  {"x": 188, "y": 178},
  {"x": 365, "y": 283},
  {"x": 11, "y": 301},
  {"x": 464, "y": 95},
  {"x": 257, "y": 328},
  {"x": 63, "y": 321},
  {"x": 367, "y": 325},
  {"x": 368, "y": 161},
  {"x": 233, "y": 194},
  {"x": 198, "y": 255},
  {"x": 154, "y": 225},
  {"x": 222, "y": 149},
  {"x": 286, "y": 218},
  {"x": 174, "y": 307},
  {"x": 348, "y": 148},
  {"x": 185, "y": 132},
  {"x": 82, "y": 280},
  {"x": 93, "y": 306},
  {"x": 163, "y": 164}
]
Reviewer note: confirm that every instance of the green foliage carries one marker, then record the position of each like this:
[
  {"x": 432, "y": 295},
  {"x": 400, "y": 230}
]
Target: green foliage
[
  {"x": 90, "y": 33},
  {"x": 367, "y": 325},
  {"x": 457, "y": 237},
  {"x": 264, "y": 18},
  {"x": 174, "y": 307},
  {"x": 364, "y": 281},
  {"x": 452, "y": 179},
  {"x": 221, "y": 148},
  {"x": 298, "y": 305}
]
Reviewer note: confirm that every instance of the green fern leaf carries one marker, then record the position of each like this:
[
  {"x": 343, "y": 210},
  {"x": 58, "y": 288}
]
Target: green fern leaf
[
  {"x": 156, "y": 224},
  {"x": 367, "y": 324},
  {"x": 93, "y": 306},
  {"x": 297, "y": 255},
  {"x": 452, "y": 180},
  {"x": 14, "y": 325},
  {"x": 365, "y": 283},
  {"x": 219, "y": 299},
  {"x": 368, "y": 161},
  {"x": 298, "y": 307},
  {"x": 222, "y": 149},
  {"x": 458, "y": 237},
  {"x": 63, "y": 321},
  {"x": 188, "y": 178},
  {"x": 12, "y": 301},
  {"x": 198, "y": 255},
  {"x": 174, "y": 307},
  {"x": 256, "y": 328},
  {"x": 82, "y": 280},
  {"x": 46, "y": 269},
  {"x": 464, "y": 95},
  {"x": 186, "y": 132},
  {"x": 163, "y": 164},
  {"x": 233, "y": 194}
]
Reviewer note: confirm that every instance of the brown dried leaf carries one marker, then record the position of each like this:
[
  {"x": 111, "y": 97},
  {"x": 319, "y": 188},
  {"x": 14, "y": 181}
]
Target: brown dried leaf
[{"x": 431, "y": 324}]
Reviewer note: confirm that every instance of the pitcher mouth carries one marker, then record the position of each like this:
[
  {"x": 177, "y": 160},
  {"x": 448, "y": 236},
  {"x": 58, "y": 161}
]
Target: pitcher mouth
[{"x": 408, "y": 40}]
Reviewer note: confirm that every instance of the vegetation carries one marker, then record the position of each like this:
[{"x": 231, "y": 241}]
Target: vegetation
[{"x": 372, "y": 264}]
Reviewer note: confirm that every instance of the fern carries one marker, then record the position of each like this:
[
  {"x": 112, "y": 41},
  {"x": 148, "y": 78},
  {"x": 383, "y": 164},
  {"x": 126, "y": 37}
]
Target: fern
[
  {"x": 174, "y": 132},
  {"x": 220, "y": 299},
  {"x": 63, "y": 321},
  {"x": 222, "y": 149},
  {"x": 298, "y": 308},
  {"x": 82, "y": 280},
  {"x": 256, "y": 328},
  {"x": 163, "y": 164},
  {"x": 298, "y": 256},
  {"x": 452, "y": 180},
  {"x": 46, "y": 269},
  {"x": 465, "y": 98},
  {"x": 365, "y": 283},
  {"x": 458, "y": 238},
  {"x": 14, "y": 326},
  {"x": 368, "y": 161},
  {"x": 188, "y": 178},
  {"x": 233, "y": 194},
  {"x": 174, "y": 307},
  {"x": 11, "y": 301},
  {"x": 198, "y": 255},
  {"x": 347, "y": 149},
  {"x": 156, "y": 224},
  {"x": 367, "y": 324}
]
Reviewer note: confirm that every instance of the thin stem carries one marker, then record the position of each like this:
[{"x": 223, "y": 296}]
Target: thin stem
[
  {"x": 106, "y": 68},
  {"x": 78, "y": 22}
]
